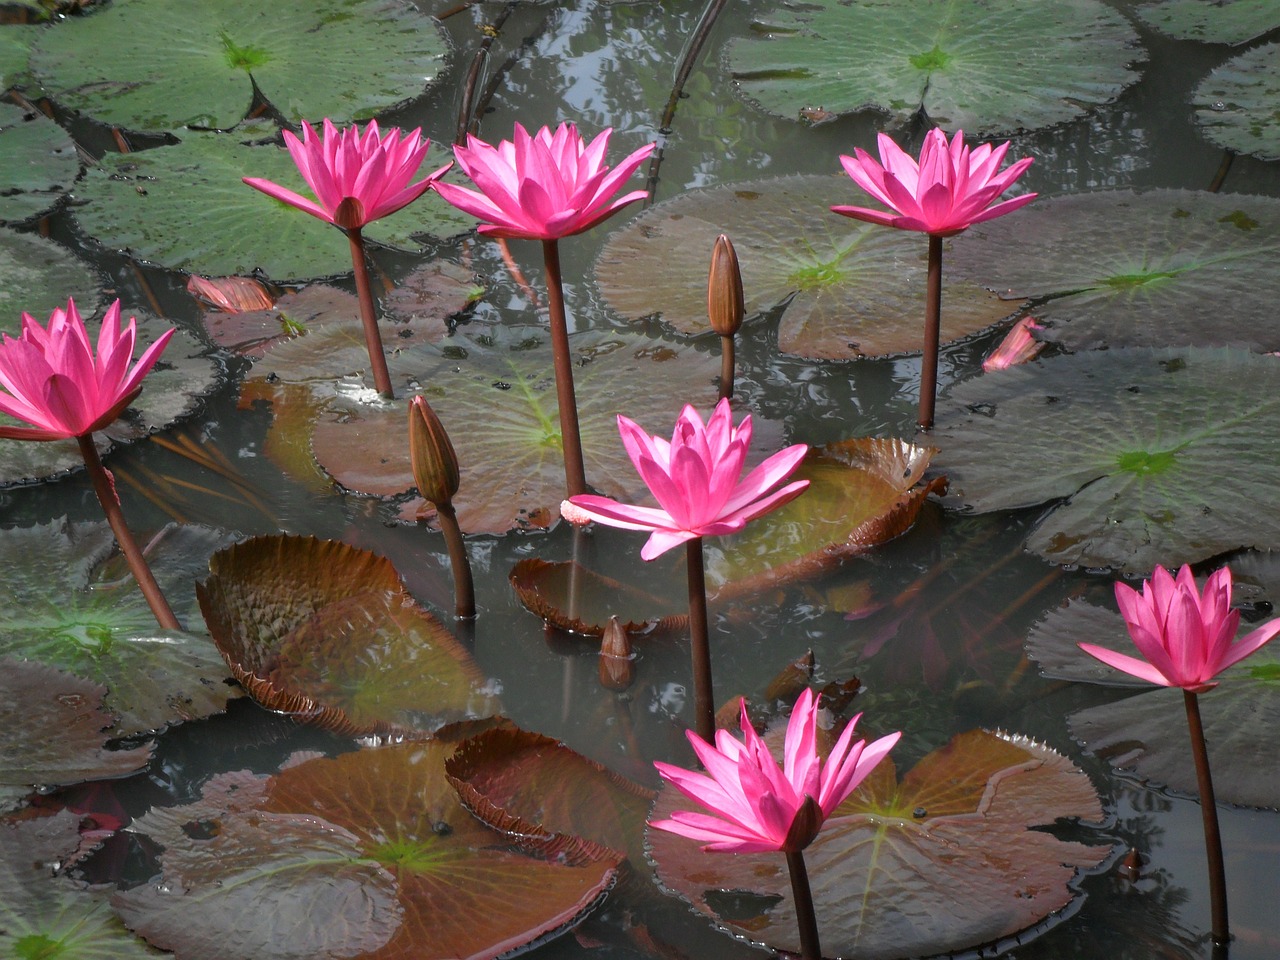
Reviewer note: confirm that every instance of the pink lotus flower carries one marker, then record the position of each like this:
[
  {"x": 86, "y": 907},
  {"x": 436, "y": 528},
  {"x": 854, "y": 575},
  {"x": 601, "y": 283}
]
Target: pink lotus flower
[
  {"x": 542, "y": 187},
  {"x": 951, "y": 188},
  {"x": 372, "y": 170},
  {"x": 1186, "y": 638},
  {"x": 1018, "y": 346},
  {"x": 695, "y": 479},
  {"x": 52, "y": 379},
  {"x": 758, "y": 806}
]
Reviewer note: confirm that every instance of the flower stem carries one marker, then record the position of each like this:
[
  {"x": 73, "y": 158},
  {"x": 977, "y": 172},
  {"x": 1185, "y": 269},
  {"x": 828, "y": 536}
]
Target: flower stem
[
  {"x": 806, "y": 919},
  {"x": 1209, "y": 812},
  {"x": 368, "y": 315},
  {"x": 105, "y": 488},
  {"x": 932, "y": 325},
  {"x": 575, "y": 478},
  {"x": 464, "y": 594},
  {"x": 727, "y": 364},
  {"x": 700, "y": 650}
]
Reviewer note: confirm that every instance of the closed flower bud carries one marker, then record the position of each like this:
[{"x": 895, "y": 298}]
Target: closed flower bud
[
  {"x": 435, "y": 465},
  {"x": 617, "y": 662},
  {"x": 725, "y": 305}
]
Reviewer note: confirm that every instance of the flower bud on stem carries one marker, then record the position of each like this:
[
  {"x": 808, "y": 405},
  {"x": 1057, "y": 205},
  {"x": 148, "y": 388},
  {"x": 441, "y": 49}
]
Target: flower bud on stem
[
  {"x": 435, "y": 471},
  {"x": 725, "y": 306}
]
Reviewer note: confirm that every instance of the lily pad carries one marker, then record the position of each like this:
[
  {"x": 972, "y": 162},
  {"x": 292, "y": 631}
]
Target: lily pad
[
  {"x": 39, "y": 163},
  {"x": 910, "y": 869},
  {"x": 861, "y": 493},
  {"x": 173, "y": 66},
  {"x": 1154, "y": 453},
  {"x": 15, "y": 52},
  {"x": 1153, "y": 269},
  {"x": 145, "y": 202},
  {"x": 368, "y": 854},
  {"x": 1236, "y": 104},
  {"x": 328, "y": 633},
  {"x": 37, "y": 276},
  {"x": 967, "y": 64},
  {"x": 1222, "y": 21},
  {"x": 852, "y": 289},
  {"x": 545, "y": 588},
  {"x": 54, "y": 723},
  {"x": 1147, "y": 732}
]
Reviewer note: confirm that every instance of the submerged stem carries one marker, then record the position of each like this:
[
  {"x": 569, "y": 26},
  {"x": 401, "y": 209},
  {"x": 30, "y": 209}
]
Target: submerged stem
[
  {"x": 806, "y": 918},
  {"x": 932, "y": 326},
  {"x": 575, "y": 478},
  {"x": 700, "y": 649},
  {"x": 1209, "y": 813},
  {"x": 368, "y": 316}
]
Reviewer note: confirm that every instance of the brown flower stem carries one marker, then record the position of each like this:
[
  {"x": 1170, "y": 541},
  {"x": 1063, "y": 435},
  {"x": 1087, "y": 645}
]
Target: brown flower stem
[
  {"x": 806, "y": 919},
  {"x": 464, "y": 594},
  {"x": 106, "y": 491},
  {"x": 932, "y": 326},
  {"x": 727, "y": 368},
  {"x": 1209, "y": 813},
  {"x": 575, "y": 477},
  {"x": 369, "y": 316},
  {"x": 700, "y": 650}
]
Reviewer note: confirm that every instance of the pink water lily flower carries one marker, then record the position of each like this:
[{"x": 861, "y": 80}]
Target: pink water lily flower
[
  {"x": 1187, "y": 638},
  {"x": 950, "y": 189},
  {"x": 542, "y": 186},
  {"x": 755, "y": 804},
  {"x": 51, "y": 378},
  {"x": 1019, "y": 346},
  {"x": 372, "y": 170},
  {"x": 695, "y": 479}
]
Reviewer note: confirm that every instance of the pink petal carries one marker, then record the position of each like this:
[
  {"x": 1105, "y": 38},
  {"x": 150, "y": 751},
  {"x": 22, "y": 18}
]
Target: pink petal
[{"x": 1130, "y": 665}]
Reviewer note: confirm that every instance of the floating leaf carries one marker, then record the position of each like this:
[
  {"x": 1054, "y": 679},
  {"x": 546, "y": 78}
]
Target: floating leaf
[
  {"x": 546, "y": 588},
  {"x": 37, "y": 276},
  {"x": 1236, "y": 104},
  {"x": 1156, "y": 454},
  {"x": 54, "y": 723},
  {"x": 173, "y": 66},
  {"x": 1222, "y": 21},
  {"x": 39, "y": 163},
  {"x": 327, "y": 632},
  {"x": 967, "y": 64},
  {"x": 367, "y": 854},
  {"x": 910, "y": 869},
  {"x": 852, "y": 289},
  {"x": 1153, "y": 269},
  {"x": 145, "y": 203},
  {"x": 15, "y": 51}
]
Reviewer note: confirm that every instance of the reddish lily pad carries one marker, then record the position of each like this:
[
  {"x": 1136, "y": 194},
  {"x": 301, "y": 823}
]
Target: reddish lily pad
[
  {"x": 544, "y": 588},
  {"x": 328, "y": 633},
  {"x": 852, "y": 289},
  {"x": 916, "y": 868},
  {"x": 368, "y": 854}
]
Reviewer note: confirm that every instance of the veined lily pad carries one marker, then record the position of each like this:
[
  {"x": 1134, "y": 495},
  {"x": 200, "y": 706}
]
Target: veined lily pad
[
  {"x": 1122, "y": 269},
  {"x": 1155, "y": 453},
  {"x": 1236, "y": 104},
  {"x": 968, "y": 64},
  {"x": 328, "y": 633},
  {"x": 910, "y": 869},
  {"x": 368, "y": 854},
  {"x": 146, "y": 202},
  {"x": 1222, "y": 21},
  {"x": 1147, "y": 732},
  {"x": 173, "y": 66},
  {"x": 15, "y": 52},
  {"x": 852, "y": 289},
  {"x": 545, "y": 588},
  {"x": 38, "y": 161},
  {"x": 37, "y": 276}
]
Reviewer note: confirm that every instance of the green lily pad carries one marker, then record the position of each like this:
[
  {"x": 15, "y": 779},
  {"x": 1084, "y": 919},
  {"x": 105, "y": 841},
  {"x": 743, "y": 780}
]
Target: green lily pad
[
  {"x": 1221, "y": 21},
  {"x": 328, "y": 633},
  {"x": 1154, "y": 453},
  {"x": 38, "y": 161},
  {"x": 37, "y": 276},
  {"x": 1236, "y": 104},
  {"x": 173, "y": 66},
  {"x": 15, "y": 53},
  {"x": 967, "y": 64},
  {"x": 54, "y": 723},
  {"x": 368, "y": 854},
  {"x": 146, "y": 202},
  {"x": 1124, "y": 269},
  {"x": 852, "y": 289},
  {"x": 909, "y": 869}
]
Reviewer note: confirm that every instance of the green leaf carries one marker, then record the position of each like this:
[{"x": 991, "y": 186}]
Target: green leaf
[
  {"x": 1236, "y": 104},
  {"x": 38, "y": 163},
  {"x": 174, "y": 65},
  {"x": 984, "y": 67},
  {"x": 37, "y": 276},
  {"x": 1222, "y": 21},
  {"x": 15, "y": 52}
]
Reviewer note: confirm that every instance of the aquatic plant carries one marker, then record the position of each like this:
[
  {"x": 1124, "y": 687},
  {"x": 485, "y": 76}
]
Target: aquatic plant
[{"x": 435, "y": 471}]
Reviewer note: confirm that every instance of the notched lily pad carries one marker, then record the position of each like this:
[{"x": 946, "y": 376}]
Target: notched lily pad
[
  {"x": 328, "y": 633},
  {"x": 910, "y": 869},
  {"x": 545, "y": 589},
  {"x": 852, "y": 289},
  {"x": 1021, "y": 66},
  {"x": 1236, "y": 104},
  {"x": 1155, "y": 454},
  {"x": 1222, "y": 21},
  {"x": 38, "y": 161}
]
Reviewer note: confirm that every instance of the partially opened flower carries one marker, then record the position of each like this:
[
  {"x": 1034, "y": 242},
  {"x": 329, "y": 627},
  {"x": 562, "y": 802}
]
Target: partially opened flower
[
  {"x": 1185, "y": 637},
  {"x": 542, "y": 186},
  {"x": 755, "y": 804},
  {"x": 51, "y": 377},
  {"x": 696, "y": 479},
  {"x": 950, "y": 189}
]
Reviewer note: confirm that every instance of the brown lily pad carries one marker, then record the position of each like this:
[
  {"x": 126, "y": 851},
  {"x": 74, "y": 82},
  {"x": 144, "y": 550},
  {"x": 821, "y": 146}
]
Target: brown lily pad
[{"x": 545, "y": 588}]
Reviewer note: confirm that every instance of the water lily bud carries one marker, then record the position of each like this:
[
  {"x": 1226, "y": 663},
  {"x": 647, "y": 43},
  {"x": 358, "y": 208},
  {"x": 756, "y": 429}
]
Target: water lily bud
[
  {"x": 435, "y": 465},
  {"x": 725, "y": 304},
  {"x": 617, "y": 662}
]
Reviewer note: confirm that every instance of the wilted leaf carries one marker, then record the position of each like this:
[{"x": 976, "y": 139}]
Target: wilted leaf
[{"x": 1236, "y": 104}]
